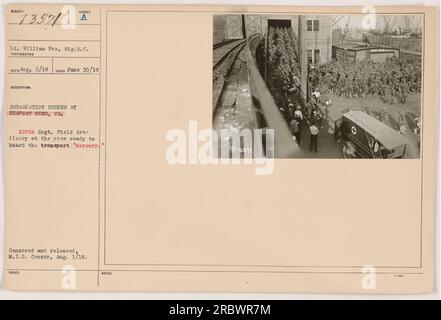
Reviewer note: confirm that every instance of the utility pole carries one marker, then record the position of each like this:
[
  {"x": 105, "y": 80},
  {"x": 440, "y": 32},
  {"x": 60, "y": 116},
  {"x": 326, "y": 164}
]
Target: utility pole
[
  {"x": 303, "y": 57},
  {"x": 244, "y": 30}
]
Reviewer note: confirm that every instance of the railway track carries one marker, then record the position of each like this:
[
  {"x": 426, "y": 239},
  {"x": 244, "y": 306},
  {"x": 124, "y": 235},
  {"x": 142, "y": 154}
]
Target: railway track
[
  {"x": 220, "y": 44},
  {"x": 224, "y": 58},
  {"x": 222, "y": 50},
  {"x": 234, "y": 109},
  {"x": 232, "y": 100},
  {"x": 242, "y": 101}
]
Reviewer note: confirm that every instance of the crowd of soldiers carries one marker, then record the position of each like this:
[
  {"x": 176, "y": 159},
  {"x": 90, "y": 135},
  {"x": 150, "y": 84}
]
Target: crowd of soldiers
[{"x": 392, "y": 80}]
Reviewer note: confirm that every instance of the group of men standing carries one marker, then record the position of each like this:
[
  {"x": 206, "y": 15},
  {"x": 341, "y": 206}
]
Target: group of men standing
[
  {"x": 298, "y": 122},
  {"x": 392, "y": 80}
]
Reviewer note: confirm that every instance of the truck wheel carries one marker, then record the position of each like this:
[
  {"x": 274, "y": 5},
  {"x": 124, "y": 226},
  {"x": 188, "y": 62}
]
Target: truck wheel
[{"x": 348, "y": 151}]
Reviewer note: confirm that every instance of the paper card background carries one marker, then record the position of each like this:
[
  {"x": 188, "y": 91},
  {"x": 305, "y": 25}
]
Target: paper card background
[{"x": 400, "y": 205}]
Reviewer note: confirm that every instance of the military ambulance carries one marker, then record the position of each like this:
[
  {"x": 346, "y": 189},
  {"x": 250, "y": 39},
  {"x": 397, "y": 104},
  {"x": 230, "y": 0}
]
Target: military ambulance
[{"x": 367, "y": 137}]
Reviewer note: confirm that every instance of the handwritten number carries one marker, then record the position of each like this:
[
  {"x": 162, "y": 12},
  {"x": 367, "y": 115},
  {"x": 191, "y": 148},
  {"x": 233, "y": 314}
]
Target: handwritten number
[
  {"x": 33, "y": 19},
  {"x": 56, "y": 19},
  {"x": 45, "y": 18},
  {"x": 22, "y": 20}
]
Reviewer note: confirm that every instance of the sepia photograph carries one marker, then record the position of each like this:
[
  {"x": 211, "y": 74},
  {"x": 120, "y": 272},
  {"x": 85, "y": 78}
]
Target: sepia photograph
[{"x": 327, "y": 86}]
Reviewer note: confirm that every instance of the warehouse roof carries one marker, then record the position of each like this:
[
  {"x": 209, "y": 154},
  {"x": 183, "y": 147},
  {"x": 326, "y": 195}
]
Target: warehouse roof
[
  {"x": 416, "y": 53},
  {"x": 359, "y": 47},
  {"x": 349, "y": 45}
]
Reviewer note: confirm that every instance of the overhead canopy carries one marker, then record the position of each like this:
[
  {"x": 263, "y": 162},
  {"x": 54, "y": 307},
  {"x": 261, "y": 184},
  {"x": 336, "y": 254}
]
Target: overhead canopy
[{"x": 380, "y": 131}]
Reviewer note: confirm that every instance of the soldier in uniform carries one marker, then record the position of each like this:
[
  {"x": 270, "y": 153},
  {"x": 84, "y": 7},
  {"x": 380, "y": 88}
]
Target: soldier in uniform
[{"x": 391, "y": 80}]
